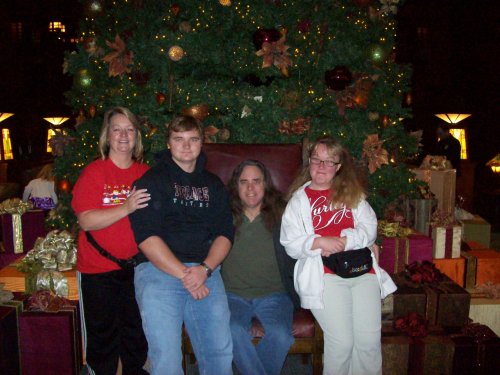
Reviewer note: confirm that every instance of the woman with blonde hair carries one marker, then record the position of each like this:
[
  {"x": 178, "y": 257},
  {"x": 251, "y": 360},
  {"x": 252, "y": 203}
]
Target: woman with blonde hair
[
  {"x": 103, "y": 197},
  {"x": 40, "y": 191},
  {"x": 329, "y": 227}
]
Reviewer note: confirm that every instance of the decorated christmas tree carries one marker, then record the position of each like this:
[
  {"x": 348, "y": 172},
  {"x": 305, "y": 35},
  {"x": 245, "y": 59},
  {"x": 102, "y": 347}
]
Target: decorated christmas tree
[{"x": 257, "y": 71}]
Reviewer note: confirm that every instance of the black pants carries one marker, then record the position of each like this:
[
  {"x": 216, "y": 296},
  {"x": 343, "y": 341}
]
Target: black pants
[{"x": 113, "y": 323}]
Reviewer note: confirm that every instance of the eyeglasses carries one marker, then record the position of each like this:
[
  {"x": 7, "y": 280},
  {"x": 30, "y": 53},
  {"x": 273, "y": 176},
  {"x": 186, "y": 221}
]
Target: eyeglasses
[{"x": 326, "y": 163}]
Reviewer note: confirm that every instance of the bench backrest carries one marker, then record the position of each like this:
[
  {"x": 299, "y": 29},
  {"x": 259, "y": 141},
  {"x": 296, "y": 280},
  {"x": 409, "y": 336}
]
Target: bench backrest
[{"x": 283, "y": 160}]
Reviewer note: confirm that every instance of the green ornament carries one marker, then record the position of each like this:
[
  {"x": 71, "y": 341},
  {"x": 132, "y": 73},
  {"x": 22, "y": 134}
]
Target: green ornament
[
  {"x": 84, "y": 78},
  {"x": 377, "y": 53}
]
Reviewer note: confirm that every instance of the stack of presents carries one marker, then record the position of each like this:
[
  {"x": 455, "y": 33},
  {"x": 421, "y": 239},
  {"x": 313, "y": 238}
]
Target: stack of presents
[
  {"x": 39, "y": 318},
  {"x": 443, "y": 319},
  {"x": 445, "y": 316}
]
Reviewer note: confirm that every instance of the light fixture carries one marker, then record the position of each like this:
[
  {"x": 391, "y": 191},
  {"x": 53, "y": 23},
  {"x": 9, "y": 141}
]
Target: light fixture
[
  {"x": 5, "y": 116},
  {"x": 452, "y": 118},
  {"x": 55, "y": 121},
  {"x": 458, "y": 133},
  {"x": 494, "y": 164},
  {"x": 6, "y": 145}
]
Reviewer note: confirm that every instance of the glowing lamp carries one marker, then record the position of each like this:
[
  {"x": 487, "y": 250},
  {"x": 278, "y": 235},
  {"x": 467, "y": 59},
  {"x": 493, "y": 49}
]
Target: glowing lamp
[
  {"x": 458, "y": 133},
  {"x": 55, "y": 121},
  {"x": 494, "y": 164},
  {"x": 6, "y": 145},
  {"x": 452, "y": 118}
]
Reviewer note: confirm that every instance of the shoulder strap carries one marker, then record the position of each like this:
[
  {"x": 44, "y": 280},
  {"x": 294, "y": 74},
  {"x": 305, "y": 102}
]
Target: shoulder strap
[{"x": 121, "y": 262}]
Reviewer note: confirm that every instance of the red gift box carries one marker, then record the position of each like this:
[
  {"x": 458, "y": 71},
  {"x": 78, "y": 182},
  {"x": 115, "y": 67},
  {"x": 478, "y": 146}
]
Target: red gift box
[
  {"x": 50, "y": 342},
  {"x": 429, "y": 355},
  {"x": 476, "y": 351},
  {"x": 33, "y": 223},
  {"x": 9, "y": 341},
  {"x": 397, "y": 251}
]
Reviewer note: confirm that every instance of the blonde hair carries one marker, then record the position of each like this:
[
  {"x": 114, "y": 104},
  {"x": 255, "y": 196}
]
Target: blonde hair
[
  {"x": 138, "y": 151},
  {"x": 46, "y": 173},
  {"x": 347, "y": 186}
]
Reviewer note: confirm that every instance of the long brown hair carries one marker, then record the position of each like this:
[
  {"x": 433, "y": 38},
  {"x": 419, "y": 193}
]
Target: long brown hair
[
  {"x": 347, "y": 186},
  {"x": 272, "y": 204}
]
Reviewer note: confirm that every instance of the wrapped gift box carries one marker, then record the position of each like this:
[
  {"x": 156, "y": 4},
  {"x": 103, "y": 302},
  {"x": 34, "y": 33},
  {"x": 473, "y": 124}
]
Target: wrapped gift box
[
  {"x": 476, "y": 351},
  {"x": 477, "y": 230},
  {"x": 9, "y": 341},
  {"x": 485, "y": 309},
  {"x": 454, "y": 268},
  {"x": 482, "y": 266},
  {"x": 50, "y": 342},
  {"x": 444, "y": 303},
  {"x": 33, "y": 226},
  {"x": 430, "y": 355},
  {"x": 395, "y": 252},
  {"x": 446, "y": 242},
  {"x": 442, "y": 183},
  {"x": 9, "y": 355},
  {"x": 395, "y": 354},
  {"x": 15, "y": 280}
]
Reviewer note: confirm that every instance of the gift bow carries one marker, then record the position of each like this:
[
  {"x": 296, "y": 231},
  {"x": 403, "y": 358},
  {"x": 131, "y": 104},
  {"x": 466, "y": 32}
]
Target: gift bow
[
  {"x": 442, "y": 219},
  {"x": 15, "y": 206},
  {"x": 423, "y": 273},
  {"x": 412, "y": 324},
  {"x": 393, "y": 229}
]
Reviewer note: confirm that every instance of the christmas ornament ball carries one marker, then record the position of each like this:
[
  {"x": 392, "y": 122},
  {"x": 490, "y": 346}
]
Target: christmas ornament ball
[
  {"x": 198, "y": 111},
  {"x": 160, "y": 98},
  {"x": 338, "y": 78},
  {"x": 92, "y": 110},
  {"x": 225, "y": 3},
  {"x": 175, "y": 53},
  {"x": 185, "y": 27},
  {"x": 84, "y": 78}
]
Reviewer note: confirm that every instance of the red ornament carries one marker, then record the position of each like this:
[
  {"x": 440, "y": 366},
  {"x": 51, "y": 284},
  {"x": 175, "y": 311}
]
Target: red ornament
[
  {"x": 385, "y": 121},
  {"x": 92, "y": 110},
  {"x": 304, "y": 25},
  {"x": 265, "y": 35},
  {"x": 160, "y": 98},
  {"x": 175, "y": 9},
  {"x": 363, "y": 3},
  {"x": 63, "y": 185},
  {"x": 338, "y": 78}
]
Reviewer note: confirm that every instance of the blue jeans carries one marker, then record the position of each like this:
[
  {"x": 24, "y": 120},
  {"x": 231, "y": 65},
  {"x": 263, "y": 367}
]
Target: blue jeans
[
  {"x": 165, "y": 304},
  {"x": 275, "y": 313}
]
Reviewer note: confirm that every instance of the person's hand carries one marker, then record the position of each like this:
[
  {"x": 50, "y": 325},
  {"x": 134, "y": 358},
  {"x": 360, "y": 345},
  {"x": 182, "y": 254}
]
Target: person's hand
[
  {"x": 194, "y": 278},
  {"x": 200, "y": 293},
  {"x": 137, "y": 199},
  {"x": 375, "y": 250},
  {"x": 331, "y": 245}
]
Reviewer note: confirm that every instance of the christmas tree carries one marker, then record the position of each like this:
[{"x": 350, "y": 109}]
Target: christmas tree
[{"x": 266, "y": 71}]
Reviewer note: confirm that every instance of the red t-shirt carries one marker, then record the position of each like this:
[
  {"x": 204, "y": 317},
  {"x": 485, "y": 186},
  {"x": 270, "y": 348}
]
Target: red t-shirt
[
  {"x": 328, "y": 221},
  {"x": 103, "y": 185}
]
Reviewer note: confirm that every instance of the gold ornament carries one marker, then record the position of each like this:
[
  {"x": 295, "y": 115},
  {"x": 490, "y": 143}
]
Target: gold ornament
[
  {"x": 175, "y": 53},
  {"x": 198, "y": 111},
  {"x": 225, "y": 3},
  {"x": 224, "y": 134},
  {"x": 374, "y": 153}
]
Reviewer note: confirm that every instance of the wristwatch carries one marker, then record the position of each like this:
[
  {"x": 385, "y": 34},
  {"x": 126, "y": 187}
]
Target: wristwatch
[{"x": 208, "y": 270}]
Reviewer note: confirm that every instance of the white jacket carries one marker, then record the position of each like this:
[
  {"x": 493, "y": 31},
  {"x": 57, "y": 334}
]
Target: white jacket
[{"x": 297, "y": 236}]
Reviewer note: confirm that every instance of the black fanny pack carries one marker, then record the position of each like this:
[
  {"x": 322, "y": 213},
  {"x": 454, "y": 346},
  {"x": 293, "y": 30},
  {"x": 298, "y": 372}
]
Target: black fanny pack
[
  {"x": 125, "y": 264},
  {"x": 348, "y": 264}
]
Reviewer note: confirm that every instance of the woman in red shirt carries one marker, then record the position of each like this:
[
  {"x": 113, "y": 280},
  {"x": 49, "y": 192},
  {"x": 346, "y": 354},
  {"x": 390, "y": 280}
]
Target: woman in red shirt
[{"x": 103, "y": 197}]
